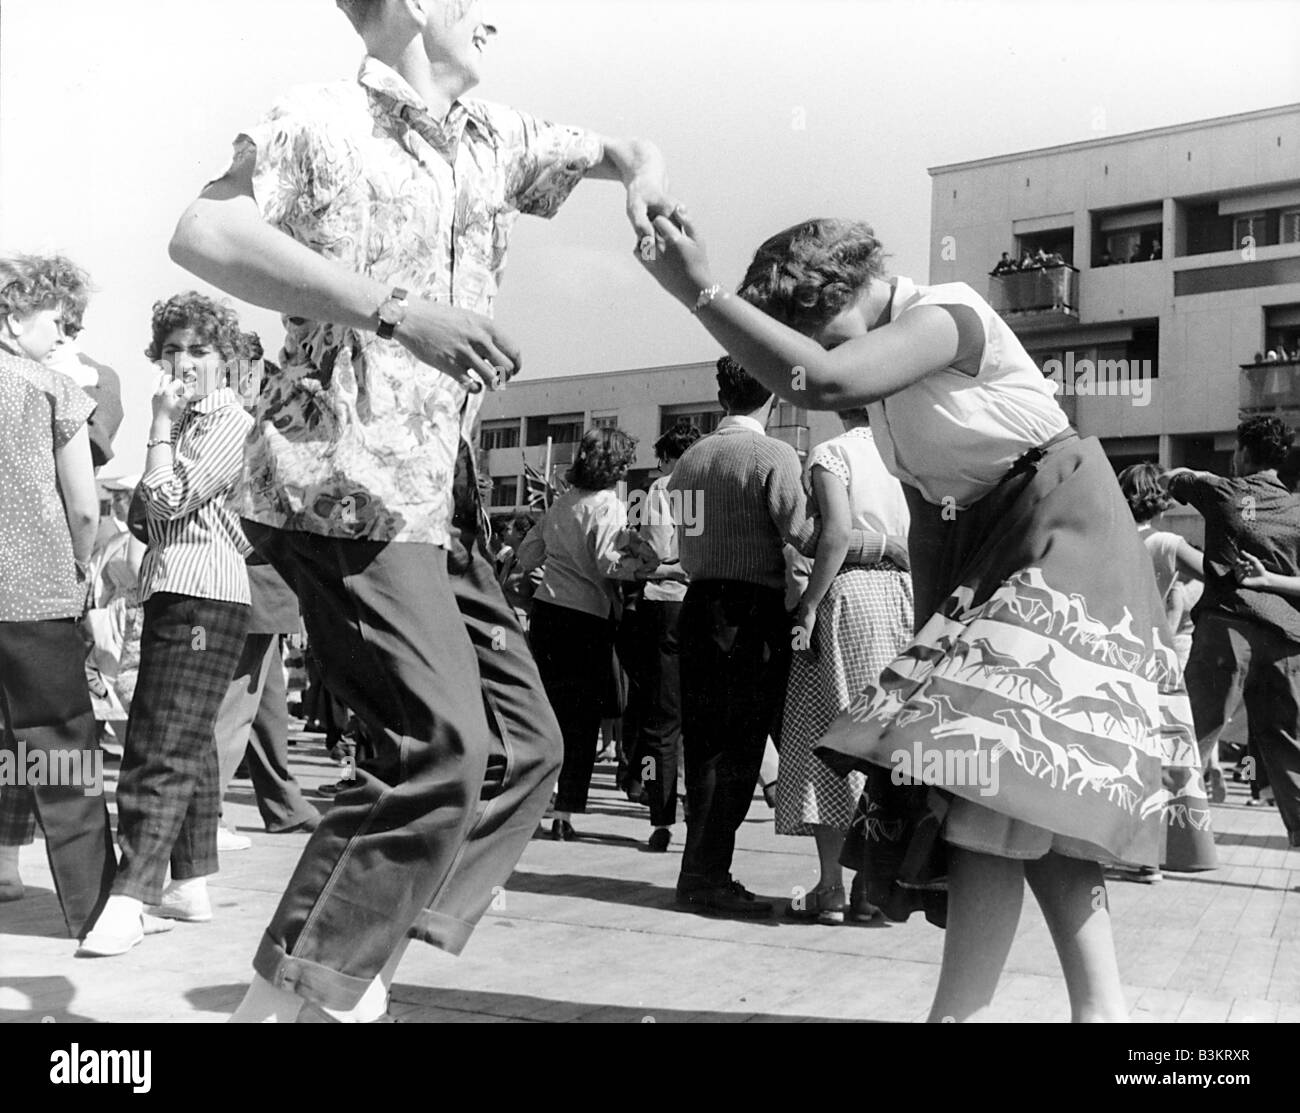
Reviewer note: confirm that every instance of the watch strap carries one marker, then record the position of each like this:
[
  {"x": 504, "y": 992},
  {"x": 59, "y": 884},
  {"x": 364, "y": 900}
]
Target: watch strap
[{"x": 387, "y": 328}]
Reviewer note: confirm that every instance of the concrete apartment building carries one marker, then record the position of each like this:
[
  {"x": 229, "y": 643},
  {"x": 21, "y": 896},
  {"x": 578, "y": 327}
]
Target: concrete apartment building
[
  {"x": 1209, "y": 210},
  {"x": 515, "y": 424}
]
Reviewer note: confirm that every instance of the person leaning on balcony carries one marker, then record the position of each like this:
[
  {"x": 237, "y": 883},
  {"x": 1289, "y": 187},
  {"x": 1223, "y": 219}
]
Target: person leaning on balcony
[{"x": 1247, "y": 640}]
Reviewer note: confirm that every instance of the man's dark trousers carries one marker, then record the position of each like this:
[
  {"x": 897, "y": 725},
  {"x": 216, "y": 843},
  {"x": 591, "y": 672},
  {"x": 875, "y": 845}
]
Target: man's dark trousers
[
  {"x": 422, "y": 646},
  {"x": 1234, "y": 659},
  {"x": 652, "y": 727},
  {"x": 735, "y": 659}
]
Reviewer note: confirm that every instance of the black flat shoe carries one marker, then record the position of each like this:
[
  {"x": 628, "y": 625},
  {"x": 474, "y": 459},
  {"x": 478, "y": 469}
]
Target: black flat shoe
[
  {"x": 562, "y": 831},
  {"x": 731, "y": 900},
  {"x": 660, "y": 837}
]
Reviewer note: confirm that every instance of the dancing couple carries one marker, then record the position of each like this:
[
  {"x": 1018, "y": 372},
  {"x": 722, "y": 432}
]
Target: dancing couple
[{"x": 375, "y": 215}]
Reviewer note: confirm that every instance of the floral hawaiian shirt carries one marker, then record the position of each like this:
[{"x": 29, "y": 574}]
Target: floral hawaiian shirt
[{"x": 355, "y": 438}]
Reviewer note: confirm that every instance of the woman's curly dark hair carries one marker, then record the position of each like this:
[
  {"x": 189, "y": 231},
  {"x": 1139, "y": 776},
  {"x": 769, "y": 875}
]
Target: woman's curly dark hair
[
  {"x": 1267, "y": 439},
  {"x": 809, "y": 274},
  {"x": 674, "y": 443},
  {"x": 1141, "y": 486},
  {"x": 215, "y": 323},
  {"x": 603, "y": 459},
  {"x": 31, "y": 283}
]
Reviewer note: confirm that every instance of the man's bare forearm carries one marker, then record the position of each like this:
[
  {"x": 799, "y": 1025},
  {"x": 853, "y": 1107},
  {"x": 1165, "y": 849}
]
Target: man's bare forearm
[{"x": 224, "y": 241}]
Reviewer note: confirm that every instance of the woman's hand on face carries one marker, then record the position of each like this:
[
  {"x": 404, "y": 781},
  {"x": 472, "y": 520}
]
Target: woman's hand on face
[
  {"x": 170, "y": 399},
  {"x": 677, "y": 259}
]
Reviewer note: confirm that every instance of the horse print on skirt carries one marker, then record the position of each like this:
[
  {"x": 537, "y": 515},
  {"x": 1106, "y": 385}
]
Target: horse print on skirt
[{"x": 1069, "y": 706}]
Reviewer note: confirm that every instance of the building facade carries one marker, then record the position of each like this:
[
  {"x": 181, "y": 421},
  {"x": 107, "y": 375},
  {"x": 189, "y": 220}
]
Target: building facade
[
  {"x": 518, "y": 426},
  {"x": 1177, "y": 308},
  {"x": 1166, "y": 302}
]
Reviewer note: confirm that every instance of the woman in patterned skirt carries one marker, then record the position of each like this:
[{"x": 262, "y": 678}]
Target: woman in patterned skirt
[
  {"x": 1036, "y": 725},
  {"x": 850, "y": 622}
]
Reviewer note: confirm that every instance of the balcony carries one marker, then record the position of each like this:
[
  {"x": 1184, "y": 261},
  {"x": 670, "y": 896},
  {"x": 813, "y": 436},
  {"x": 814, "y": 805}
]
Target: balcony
[
  {"x": 1036, "y": 298},
  {"x": 1267, "y": 388}
]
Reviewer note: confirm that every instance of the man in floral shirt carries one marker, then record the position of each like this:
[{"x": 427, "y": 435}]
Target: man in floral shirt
[{"x": 375, "y": 214}]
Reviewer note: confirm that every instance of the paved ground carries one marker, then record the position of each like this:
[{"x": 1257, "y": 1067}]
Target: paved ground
[{"x": 588, "y": 931}]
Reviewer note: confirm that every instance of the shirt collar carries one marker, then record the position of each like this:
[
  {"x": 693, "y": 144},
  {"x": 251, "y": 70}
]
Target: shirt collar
[
  {"x": 741, "y": 421},
  {"x": 394, "y": 93},
  {"x": 217, "y": 400}
]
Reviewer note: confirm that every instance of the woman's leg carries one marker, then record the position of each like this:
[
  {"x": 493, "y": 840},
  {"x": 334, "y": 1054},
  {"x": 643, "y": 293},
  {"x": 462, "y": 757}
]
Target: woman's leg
[
  {"x": 188, "y": 655},
  {"x": 1072, "y": 895},
  {"x": 984, "y": 898},
  {"x": 830, "y": 842}
]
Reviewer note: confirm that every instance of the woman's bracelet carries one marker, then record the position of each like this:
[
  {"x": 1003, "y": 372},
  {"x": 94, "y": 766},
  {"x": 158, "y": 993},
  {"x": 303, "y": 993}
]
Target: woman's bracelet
[
  {"x": 709, "y": 296},
  {"x": 155, "y": 444}
]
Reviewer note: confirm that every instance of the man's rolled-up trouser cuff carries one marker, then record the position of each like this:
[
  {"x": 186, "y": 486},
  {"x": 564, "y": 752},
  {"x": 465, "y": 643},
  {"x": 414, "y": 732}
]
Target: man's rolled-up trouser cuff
[
  {"x": 442, "y": 931},
  {"x": 309, "y": 980}
]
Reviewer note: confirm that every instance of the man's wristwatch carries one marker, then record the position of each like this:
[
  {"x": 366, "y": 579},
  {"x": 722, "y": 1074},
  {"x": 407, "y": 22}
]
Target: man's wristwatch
[{"x": 391, "y": 314}]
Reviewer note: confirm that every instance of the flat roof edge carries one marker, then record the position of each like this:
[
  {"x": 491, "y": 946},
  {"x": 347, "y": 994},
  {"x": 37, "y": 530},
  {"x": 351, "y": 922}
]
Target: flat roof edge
[
  {"x": 1169, "y": 129},
  {"x": 698, "y": 363}
]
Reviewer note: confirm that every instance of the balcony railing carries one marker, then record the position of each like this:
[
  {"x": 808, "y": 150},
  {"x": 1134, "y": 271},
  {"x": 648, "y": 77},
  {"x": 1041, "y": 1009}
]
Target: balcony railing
[
  {"x": 1268, "y": 387},
  {"x": 1046, "y": 296}
]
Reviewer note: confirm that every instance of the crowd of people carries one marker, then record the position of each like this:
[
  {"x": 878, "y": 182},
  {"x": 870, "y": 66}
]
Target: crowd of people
[
  {"x": 1030, "y": 261},
  {"x": 1042, "y": 259},
  {"x": 957, "y": 575}
]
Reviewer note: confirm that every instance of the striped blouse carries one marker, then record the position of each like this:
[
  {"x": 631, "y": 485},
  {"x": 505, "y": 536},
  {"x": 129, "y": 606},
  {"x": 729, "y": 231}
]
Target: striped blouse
[{"x": 196, "y": 544}]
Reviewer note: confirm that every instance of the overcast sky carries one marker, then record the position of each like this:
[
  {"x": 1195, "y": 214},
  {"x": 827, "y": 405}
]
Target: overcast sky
[{"x": 113, "y": 115}]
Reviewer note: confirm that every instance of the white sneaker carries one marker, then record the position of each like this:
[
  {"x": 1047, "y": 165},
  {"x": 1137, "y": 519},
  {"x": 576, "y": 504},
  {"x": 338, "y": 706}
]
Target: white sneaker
[
  {"x": 228, "y": 841},
  {"x": 108, "y": 941},
  {"x": 194, "y": 907}
]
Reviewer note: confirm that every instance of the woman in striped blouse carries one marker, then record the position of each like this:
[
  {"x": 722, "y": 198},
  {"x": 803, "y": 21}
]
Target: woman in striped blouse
[{"x": 196, "y": 609}]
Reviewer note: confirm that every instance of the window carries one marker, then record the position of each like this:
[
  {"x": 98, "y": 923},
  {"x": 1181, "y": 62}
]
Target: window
[
  {"x": 1253, "y": 230},
  {"x": 1129, "y": 235},
  {"x": 1123, "y": 452},
  {"x": 1261, "y": 219},
  {"x": 505, "y": 492},
  {"x": 499, "y": 434},
  {"x": 1206, "y": 230},
  {"x": 1282, "y": 333},
  {"x": 1201, "y": 453},
  {"x": 559, "y": 428},
  {"x": 704, "y": 419},
  {"x": 1289, "y": 230},
  {"x": 604, "y": 421}
]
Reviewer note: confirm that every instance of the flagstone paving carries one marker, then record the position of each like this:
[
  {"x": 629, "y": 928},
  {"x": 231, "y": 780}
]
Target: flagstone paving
[{"x": 588, "y": 931}]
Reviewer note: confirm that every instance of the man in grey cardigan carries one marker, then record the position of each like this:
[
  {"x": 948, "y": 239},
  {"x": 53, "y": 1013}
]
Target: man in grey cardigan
[{"x": 736, "y": 637}]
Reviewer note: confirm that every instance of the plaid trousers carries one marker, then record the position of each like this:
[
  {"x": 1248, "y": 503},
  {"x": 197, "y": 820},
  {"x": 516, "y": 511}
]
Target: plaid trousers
[{"x": 168, "y": 793}]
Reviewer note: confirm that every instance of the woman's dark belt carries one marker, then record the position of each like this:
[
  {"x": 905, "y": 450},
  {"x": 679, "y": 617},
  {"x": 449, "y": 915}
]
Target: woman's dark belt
[{"x": 1029, "y": 461}]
